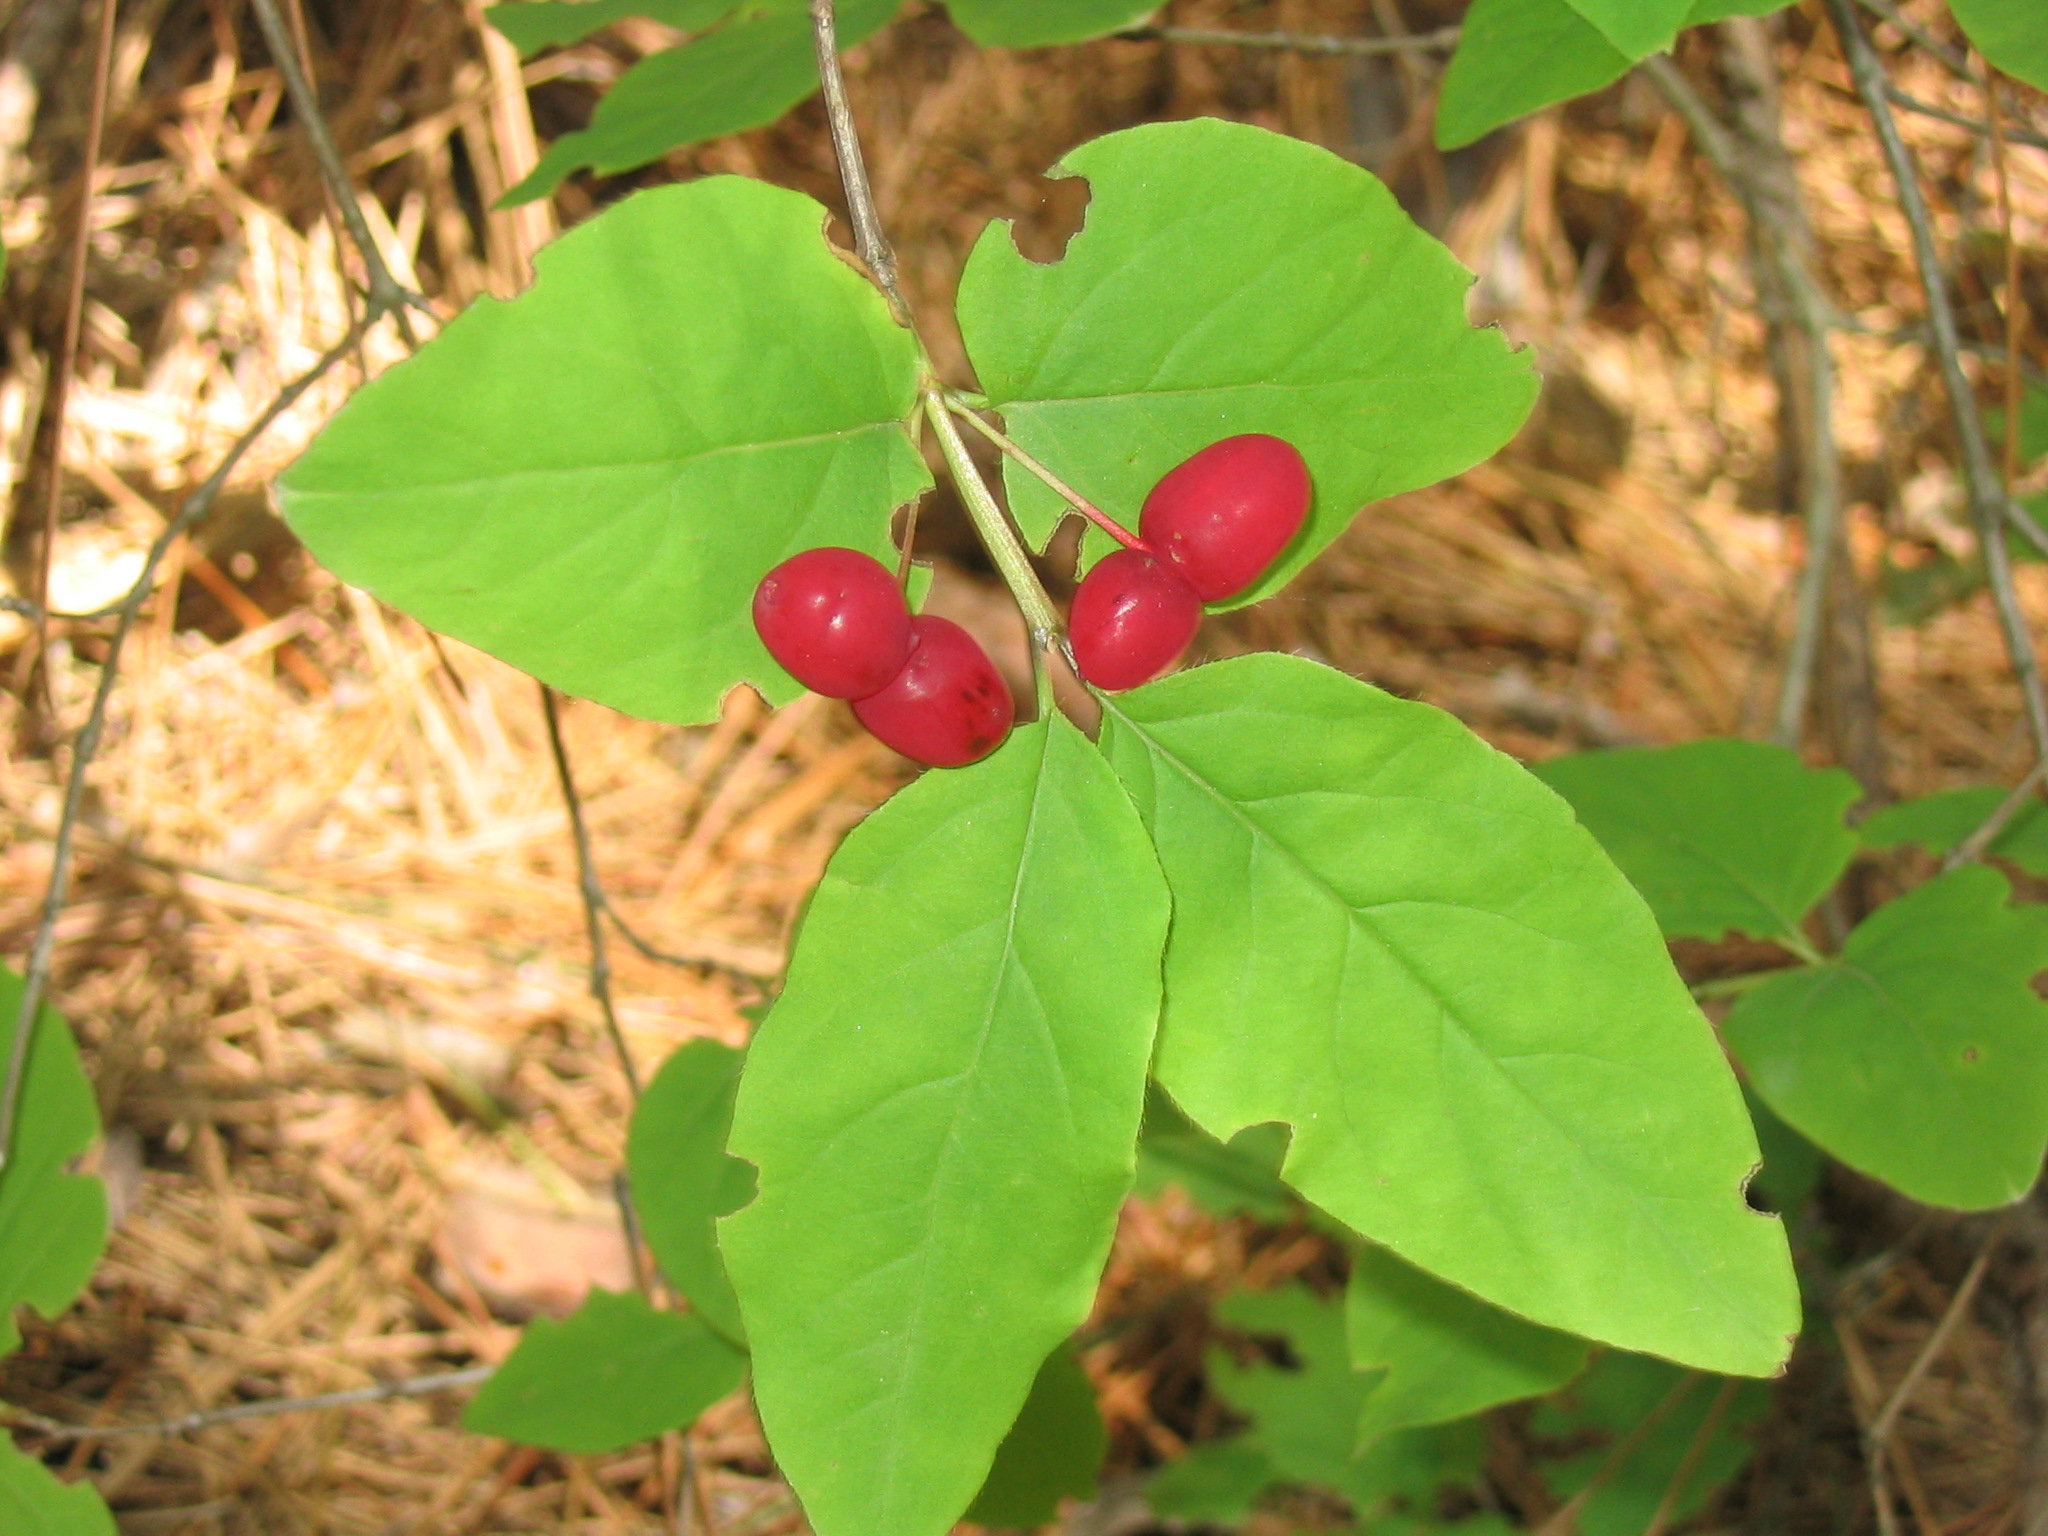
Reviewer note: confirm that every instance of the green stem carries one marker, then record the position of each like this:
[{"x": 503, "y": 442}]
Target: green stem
[
  {"x": 995, "y": 530},
  {"x": 1733, "y": 986},
  {"x": 1058, "y": 487}
]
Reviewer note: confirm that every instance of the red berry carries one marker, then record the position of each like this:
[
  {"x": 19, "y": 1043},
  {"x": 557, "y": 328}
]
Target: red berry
[
  {"x": 836, "y": 621},
  {"x": 1133, "y": 614},
  {"x": 948, "y": 707},
  {"x": 1224, "y": 515}
]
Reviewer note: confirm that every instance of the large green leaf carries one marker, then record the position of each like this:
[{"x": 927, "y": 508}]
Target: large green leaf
[
  {"x": 53, "y": 1224},
  {"x": 536, "y": 24},
  {"x": 943, "y": 1108},
  {"x": 1305, "y": 1417},
  {"x": 34, "y": 1503},
  {"x": 681, "y": 1178},
  {"x": 1054, "y": 1451},
  {"x": 1036, "y": 23},
  {"x": 1940, "y": 822},
  {"x": 741, "y": 75},
  {"x": 1920, "y": 1055},
  {"x": 1681, "y": 1425},
  {"x": 614, "y": 1372},
  {"x": 1440, "y": 1353},
  {"x": 1705, "y": 11},
  {"x": 1516, "y": 56},
  {"x": 1389, "y": 936},
  {"x": 588, "y": 481},
  {"x": 1232, "y": 280},
  {"x": 2012, "y": 34},
  {"x": 1717, "y": 835},
  {"x": 1635, "y": 27}
]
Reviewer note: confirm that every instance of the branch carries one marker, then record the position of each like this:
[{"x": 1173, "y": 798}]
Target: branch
[
  {"x": 65, "y": 362},
  {"x": 387, "y": 295},
  {"x": 1957, "y": 64},
  {"x": 71, "y": 1434},
  {"x": 1443, "y": 40},
  {"x": 1976, "y": 125},
  {"x": 868, "y": 238},
  {"x": 1988, "y": 500},
  {"x": 1814, "y": 313},
  {"x": 1052, "y": 482}
]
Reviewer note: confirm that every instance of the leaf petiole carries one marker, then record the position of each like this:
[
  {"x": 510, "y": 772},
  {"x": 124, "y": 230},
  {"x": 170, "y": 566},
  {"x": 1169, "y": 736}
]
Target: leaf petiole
[
  {"x": 1004, "y": 547},
  {"x": 965, "y": 411}
]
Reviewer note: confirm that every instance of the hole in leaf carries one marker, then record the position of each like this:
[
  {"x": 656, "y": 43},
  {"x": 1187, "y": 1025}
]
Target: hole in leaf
[{"x": 1042, "y": 232}]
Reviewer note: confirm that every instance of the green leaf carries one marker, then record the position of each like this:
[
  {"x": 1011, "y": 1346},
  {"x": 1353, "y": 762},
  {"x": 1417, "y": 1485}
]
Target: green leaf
[
  {"x": 1442, "y": 1354},
  {"x": 1940, "y": 822},
  {"x": 1037, "y": 23},
  {"x": 1717, "y": 835},
  {"x": 682, "y": 1179},
  {"x": 1920, "y": 1055},
  {"x": 1217, "y": 1482},
  {"x": 943, "y": 1108},
  {"x": 1627, "y": 1394},
  {"x": 53, "y": 1224},
  {"x": 1720, "y": 10},
  {"x": 34, "y": 1503},
  {"x": 742, "y": 75},
  {"x": 532, "y": 25},
  {"x": 1054, "y": 1451},
  {"x": 588, "y": 481},
  {"x": 1515, "y": 57},
  {"x": 1635, "y": 27},
  {"x": 2012, "y": 34},
  {"x": 1232, "y": 280},
  {"x": 614, "y": 1372},
  {"x": 1389, "y": 936},
  {"x": 1225, "y": 1179},
  {"x": 1304, "y": 1418}
]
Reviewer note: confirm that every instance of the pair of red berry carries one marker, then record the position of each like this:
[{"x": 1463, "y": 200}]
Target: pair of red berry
[
  {"x": 836, "y": 620},
  {"x": 1211, "y": 527}
]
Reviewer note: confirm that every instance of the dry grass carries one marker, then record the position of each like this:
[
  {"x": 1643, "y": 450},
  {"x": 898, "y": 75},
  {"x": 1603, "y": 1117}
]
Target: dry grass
[{"x": 327, "y": 954}]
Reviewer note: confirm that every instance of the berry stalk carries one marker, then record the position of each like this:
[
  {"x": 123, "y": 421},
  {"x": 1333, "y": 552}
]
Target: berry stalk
[
  {"x": 1053, "y": 482},
  {"x": 995, "y": 530}
]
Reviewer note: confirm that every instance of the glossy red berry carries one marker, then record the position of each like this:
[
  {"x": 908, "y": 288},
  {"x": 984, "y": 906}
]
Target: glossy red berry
[
  {"x": 1223, "y": 516},
  {"x": 1132, "y": 615},
  {"x": 948, "y": 707},
  {"x": 836, "y": 621}
]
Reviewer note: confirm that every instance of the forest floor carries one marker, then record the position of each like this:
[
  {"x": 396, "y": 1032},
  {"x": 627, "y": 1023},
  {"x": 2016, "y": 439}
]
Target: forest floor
[{"x": 327, "y": 954}]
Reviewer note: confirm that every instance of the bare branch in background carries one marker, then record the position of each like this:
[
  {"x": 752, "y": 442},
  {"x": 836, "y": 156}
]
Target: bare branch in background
[
  {"x": 1976, "y": 125},
  {"x": 1778, "y": 223},
  {"x": 1986, "y": 491},
  {"x": 1956, "y": 63},
  {"x": 66, "y": 360},
  {"x": 420, "y": 1386},
  {"x": 1443, "y": 40},
  {"x": 387, "y": 296},
  {"x": 868, "y": 237}
]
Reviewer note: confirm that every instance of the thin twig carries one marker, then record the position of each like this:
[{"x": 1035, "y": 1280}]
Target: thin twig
[
  {"x": 1702, "y": 1439},
  {"x": 36, "y": 974},
  {"x": 868, "y": 239},
  {"x": 66, "y": 361},
  {"x": 1972, "y": 848},
  {"x": 1980, "y": 477},
  {"x": 1814, "y": 313},
  {"x": 1053, "y": 482},
  {"x": 1443, "y": 40},
  {"x": 1956, "y": 63},
  {"x": 1978, "y": 126},
  {"x": 387, "y": 295},
  {"x": 1566, "y": 1519},
  {"x": 419, "y": 1386},
  {"x": 1888, "y": 1417},
  {"x": 594, "y": 902}
]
